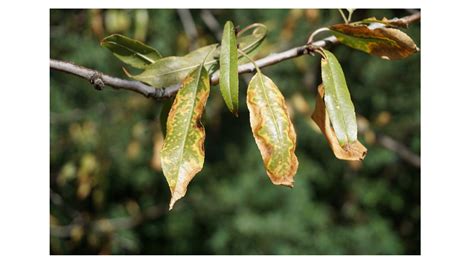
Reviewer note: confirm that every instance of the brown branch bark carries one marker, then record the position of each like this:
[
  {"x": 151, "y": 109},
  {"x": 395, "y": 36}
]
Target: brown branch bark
[{"x": 99, "y": 80}]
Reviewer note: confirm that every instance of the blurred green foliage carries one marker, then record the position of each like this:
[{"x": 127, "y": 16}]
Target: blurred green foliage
[{"x": 108, "y": 195}]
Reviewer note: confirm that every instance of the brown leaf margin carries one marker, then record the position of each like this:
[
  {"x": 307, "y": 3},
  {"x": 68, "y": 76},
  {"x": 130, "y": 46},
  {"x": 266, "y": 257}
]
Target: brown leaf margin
[{"x": 352, "y": 151}]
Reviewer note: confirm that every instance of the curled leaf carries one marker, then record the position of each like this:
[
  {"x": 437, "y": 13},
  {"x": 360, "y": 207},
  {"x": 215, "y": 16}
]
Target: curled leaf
[
  {"x": 350, "y": 151},
  {"x": 338, "y": 100},
  {"x": 250, "y": 42},
  {"x": 272, "y": 129},
  {"x": 130, "y": 51},
  {"x": 182, "y": 155},
  {"x": 229, "y": 77},
  {"x": 386, "y": 43}
]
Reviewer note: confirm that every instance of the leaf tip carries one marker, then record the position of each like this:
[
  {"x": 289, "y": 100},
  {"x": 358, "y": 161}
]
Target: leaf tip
[{"x": 126, "y": 72}]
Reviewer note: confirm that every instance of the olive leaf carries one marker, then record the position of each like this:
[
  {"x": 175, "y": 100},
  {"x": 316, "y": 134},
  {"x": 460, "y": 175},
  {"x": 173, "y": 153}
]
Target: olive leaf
[
  {"x": 171, "y": 70},
  {"x": 272, "y": 129},
  {"x": 350, "y": 151},
  {"x": 130, "y": 51},
  {"x": 338, "y": 100},
  {"x": 386, "y": 43},
  {"x": 182, "y": 155},
  {"x": 229, "y": 77},
  {"x": 397, "y": 23}
]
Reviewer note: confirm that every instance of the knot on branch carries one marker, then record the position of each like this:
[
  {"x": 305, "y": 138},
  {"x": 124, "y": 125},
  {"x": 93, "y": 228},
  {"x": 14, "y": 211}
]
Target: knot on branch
[{"x": 96, "y": 81}]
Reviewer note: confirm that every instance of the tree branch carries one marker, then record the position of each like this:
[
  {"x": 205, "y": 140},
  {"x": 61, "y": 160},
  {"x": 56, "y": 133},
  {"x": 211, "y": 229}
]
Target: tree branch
[{"x": 99, "y": 80}]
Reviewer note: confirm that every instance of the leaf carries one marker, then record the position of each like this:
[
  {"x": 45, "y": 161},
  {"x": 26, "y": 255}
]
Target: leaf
[
  {"x": 386, "y": 43},
  {"x": 182, "y": 155},
  {"x": 229, "y": 77},
  {"x": 165, "y": 109},
  {"x": 173, "y": 69},
  {"x": 249, "y": 43},
  {"x": 129, "y": 51},
  {"x": 272, "y": 129},
  {"x": 338, "y": 100},
  {"x": 351, "y": 151},
  {"x": 397, "y": 23}
]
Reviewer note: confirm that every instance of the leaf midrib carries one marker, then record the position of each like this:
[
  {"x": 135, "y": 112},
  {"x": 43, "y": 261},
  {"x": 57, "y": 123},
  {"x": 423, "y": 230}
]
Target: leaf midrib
[{"x": 270, "y": 107}]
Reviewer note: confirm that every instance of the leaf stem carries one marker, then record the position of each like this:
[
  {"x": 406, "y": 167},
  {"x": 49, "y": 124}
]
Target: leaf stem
[
  {"x": 250, "y": 59},
  {"x": 343, "y": 16},
  {"x": 316, "y": 32}
]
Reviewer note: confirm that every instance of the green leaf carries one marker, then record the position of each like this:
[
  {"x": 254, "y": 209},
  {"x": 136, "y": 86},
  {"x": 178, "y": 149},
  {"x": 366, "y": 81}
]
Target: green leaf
[
  {"x": 352, "y": 151},
  {"x": 129, "y": 51},
  {"x": 229, "y": 77},
  {"x": 338, "y": 100},
  {"x": 386, "y": 43},
  {"x": 272, "y": 129},
  {"x": 165, "y": 109},
  {"x": 182, "y": 155},
  {"x": 171, "y": 70}
]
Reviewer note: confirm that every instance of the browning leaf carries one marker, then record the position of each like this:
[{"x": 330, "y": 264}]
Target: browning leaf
[
  {"x": 272, "y": 129},
  {"x": 182, "y": 155},
  {"x": 350, "y": 151},
  {"x": 386, "y": 43}
]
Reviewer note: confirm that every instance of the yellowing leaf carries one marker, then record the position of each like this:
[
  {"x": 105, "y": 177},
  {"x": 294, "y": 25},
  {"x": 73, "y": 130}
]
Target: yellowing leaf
[
  {"x": 386, "y": 43},
  {"x": 350, "y": 151},
  {"x": 182, "y": 155},
  {"x": 338, "y": 99},
  {"x": 229, "y": 77},
  {"x": 272, "y": 129}
]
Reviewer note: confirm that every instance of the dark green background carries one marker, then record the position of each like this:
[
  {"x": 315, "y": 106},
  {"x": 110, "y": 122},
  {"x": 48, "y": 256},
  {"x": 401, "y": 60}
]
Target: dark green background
[{"x": 106, "y": 198}]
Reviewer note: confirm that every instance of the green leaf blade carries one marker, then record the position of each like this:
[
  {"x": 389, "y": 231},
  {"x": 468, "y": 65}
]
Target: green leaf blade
[
  {"x": 182, "y": 155},
  {"x": 338, "y": 101},
  {"x": 130, "y": 51},
  {"x": 272, "y": 129},
  {"x": 173, "y": 69},
  {"x": 229, "y": 76}
]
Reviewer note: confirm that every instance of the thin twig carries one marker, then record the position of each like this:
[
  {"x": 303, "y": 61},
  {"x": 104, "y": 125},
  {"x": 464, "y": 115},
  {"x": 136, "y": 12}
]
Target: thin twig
[
  {"x": 100, "y": 80},
  {"x": 212, "y": 23},
  {"x": 189, "y": 27}
]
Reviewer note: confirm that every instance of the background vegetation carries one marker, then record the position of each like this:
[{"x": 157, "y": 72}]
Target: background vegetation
[{"x": 109, "y": 196}]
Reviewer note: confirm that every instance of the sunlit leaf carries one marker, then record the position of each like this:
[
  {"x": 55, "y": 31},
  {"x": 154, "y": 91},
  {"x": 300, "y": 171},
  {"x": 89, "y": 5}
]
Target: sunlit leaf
[
  {"x": 272, "y": 129},
  {"x": 130, "y": 51},
  {"x": 338, "y": 100},
  {"x": 229, "y": 77},
  {"x": 386, "y": 43},
  {"x": 182, "y": 156},
  {"x": 350, "y": 151},
  {"x": 397, "y": 23},
  {"x": 171, "y": 70}
]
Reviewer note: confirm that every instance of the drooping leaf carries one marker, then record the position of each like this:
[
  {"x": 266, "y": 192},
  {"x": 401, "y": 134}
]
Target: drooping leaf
[
  {"x": 182, "y": 155},
  {"x": 350, "y": 151},
  {"x": 165, "y": 109},
  {"x": 338, "y": 99},
  {"x": 229, "y": 77},
  {"x": 386, "y": 43},
  {"x": 272, "y": 129},
  {"x": 130, "y": 51},
  {"x": 173, "y": 69}
]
